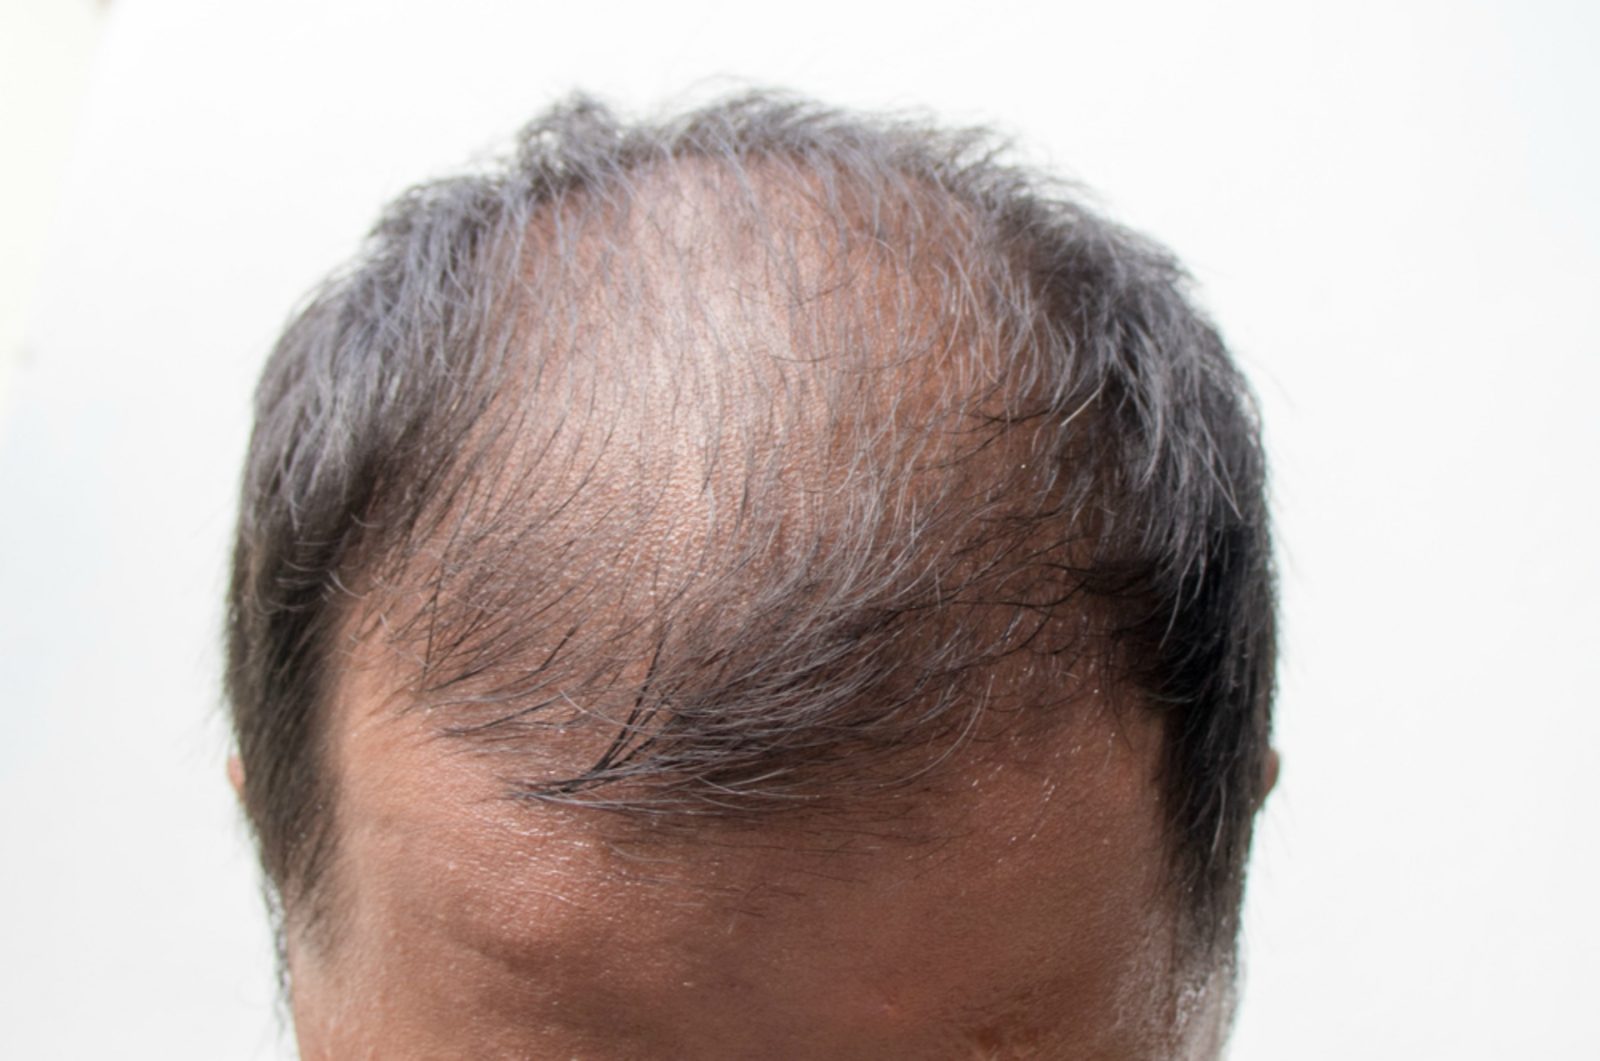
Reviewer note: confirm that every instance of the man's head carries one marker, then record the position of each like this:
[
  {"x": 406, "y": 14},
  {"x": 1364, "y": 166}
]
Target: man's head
[{"x": 767, "y": 583}]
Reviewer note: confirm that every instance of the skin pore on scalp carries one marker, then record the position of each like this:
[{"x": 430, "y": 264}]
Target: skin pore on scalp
[{"x": 764, "y": 584}]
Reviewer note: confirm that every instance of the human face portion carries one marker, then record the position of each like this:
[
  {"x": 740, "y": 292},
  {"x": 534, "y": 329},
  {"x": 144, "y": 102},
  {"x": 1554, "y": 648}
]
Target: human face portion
[{"x": 1015, "y": 909}]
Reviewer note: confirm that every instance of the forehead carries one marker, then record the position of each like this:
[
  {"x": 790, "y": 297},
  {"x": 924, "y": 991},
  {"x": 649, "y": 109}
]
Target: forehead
[{"x": 1018, "y": 903}]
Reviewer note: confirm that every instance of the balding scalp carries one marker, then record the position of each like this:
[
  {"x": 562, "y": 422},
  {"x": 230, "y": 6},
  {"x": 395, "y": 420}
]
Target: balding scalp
[{"x": 750, "y": 444}]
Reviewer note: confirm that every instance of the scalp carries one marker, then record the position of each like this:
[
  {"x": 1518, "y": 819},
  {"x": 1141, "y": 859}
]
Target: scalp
[{"x": 745, "y": 498}]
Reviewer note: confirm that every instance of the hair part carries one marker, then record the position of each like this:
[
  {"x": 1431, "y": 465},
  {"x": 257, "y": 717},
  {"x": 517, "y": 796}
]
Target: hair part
[{"x": 753, "y": 439}]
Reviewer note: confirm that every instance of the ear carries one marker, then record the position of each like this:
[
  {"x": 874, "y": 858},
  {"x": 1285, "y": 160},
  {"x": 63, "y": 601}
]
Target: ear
[
  {"x": 236, "y": 775},
  {"x": 1269, "y": 776}
]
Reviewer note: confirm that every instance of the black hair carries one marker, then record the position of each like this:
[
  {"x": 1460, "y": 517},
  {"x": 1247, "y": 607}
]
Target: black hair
[{"x": 756, "y": 438}]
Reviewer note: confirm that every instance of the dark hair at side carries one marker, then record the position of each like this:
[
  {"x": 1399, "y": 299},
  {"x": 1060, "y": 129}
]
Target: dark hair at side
[{"x": 393, "y": 485}]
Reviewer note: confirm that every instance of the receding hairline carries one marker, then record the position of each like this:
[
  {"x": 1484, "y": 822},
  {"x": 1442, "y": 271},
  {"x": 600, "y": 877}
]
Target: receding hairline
[
  {"x": 752, "y": 453},
  {"x": 580, "y": 150}
]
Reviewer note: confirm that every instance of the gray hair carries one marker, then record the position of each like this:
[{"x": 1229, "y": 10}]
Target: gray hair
[{"x": 759, "y": 438}]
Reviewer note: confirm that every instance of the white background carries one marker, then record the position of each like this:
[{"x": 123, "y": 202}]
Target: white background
[{"x": 1390, "y": 207}]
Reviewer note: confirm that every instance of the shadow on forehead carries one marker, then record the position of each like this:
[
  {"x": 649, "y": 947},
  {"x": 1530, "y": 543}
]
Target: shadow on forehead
[{"x": 747, "y": 498}]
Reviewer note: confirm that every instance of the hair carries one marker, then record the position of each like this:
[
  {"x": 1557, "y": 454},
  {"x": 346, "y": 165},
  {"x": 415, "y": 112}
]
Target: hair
[{"x": 756, "y": 440}]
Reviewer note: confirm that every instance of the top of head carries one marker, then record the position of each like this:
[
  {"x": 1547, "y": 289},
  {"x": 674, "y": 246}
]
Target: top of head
[{"x": 737, "y": 465}]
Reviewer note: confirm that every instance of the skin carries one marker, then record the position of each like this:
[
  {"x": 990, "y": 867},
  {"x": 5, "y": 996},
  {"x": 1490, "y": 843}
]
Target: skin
[{"x": 1013, "y": 909}]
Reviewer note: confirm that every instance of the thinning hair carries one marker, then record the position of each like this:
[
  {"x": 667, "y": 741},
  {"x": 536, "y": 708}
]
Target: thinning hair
[{"x": 756, "y": 440}]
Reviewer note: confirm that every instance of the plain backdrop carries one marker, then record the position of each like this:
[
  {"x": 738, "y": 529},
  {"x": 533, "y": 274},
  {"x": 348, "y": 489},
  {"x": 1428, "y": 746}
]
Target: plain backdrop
[{"x": 1390, "y": 207}]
